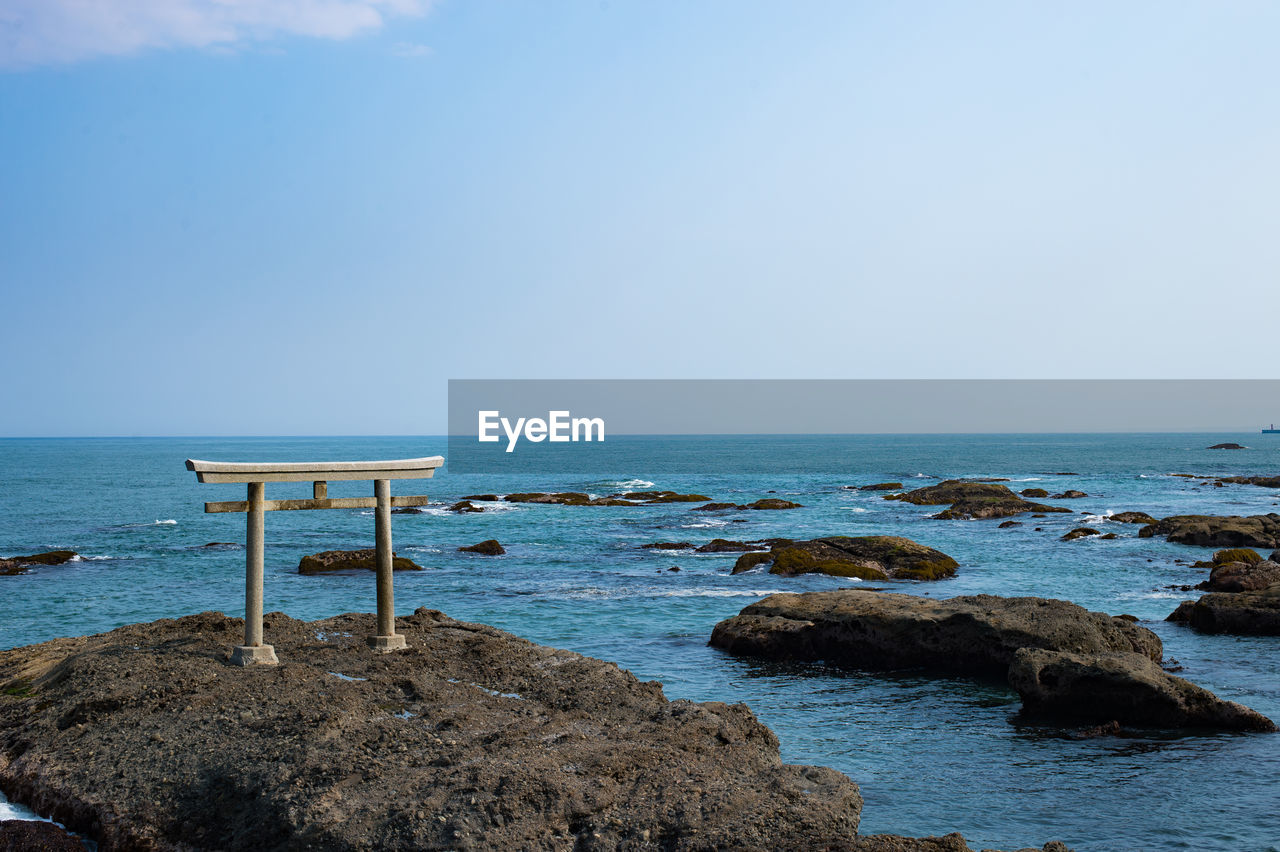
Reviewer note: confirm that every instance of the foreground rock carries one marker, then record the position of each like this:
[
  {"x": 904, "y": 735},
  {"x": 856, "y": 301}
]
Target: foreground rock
[
  {"x": 351, "y": 560},
  {"x": 1252, "y": 613},
  {"x": 19, "y": 564},
  {"x": 488, "y": 547},
  {"x": 875, "y": 557},
  {"x": 471, "y": 738},
  {"x": 1218, "y": 530},
  {"x": 1125, "y": 688},
  {"x": 974, "y": 635},
  {"x": 20, "y": 835},
  {"x": 971, "y": 499}
]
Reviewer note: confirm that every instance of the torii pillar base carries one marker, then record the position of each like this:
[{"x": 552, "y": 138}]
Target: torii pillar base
[
  {"x": 386, "y": 644},
  {"x": 254, "y": 655}
]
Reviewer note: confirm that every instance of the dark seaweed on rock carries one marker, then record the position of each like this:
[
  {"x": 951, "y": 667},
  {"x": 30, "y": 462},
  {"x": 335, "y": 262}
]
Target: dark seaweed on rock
[{"x": 20, "y": 564}]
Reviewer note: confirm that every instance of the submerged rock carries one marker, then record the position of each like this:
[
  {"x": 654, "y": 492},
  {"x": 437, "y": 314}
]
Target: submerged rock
[
  {"x": 724, "y": 545},
  {"x": 488, "y": 547},
  {"x": 1125, "y": 688},
  {"x": 668, "y": 545},
  {"x": 1228, "y": 446},
  {"x": 1250, "y": 613},
  {"x": 975, "y": 634},
  {"x": 972, "y": 499},
  {"x": 351, "y": 560},
  {"x": 470, "y": 738},
  {"x": 1218, "y": 530},
  {"x": 19, "y": 564},
  {"x": 875, "y": 557},
  {"x": 880, "y": 486},
  {"x": 1080, "y": 532},
  {"x": 1263, "y": 481}
]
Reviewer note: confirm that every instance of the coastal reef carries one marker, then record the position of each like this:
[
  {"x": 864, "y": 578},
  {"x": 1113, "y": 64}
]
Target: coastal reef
[
  {"x": 972, "y": 499},
  {"x": 578, "y": 498},
  {"x": 471, "y": 738},
  {"x": 329, "y": 561},
  {"x": 1218, "y": 530},
  {"x": 20, "y": 564},
  {"x": 874, "y": 557},
  {"x": 1255, "y": 612},
  {"x": 766, "y": 503},
  {"x": 988, "y": 636}
]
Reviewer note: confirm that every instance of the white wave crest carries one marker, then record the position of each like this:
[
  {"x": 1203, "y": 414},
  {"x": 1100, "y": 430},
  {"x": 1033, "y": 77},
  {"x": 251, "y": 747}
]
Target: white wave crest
[
  {"x": 1099, "y": 519},
  {"x": 704, "y": 525},
  {"x": 633, "y": 483},
  {"x": 159, "y": 523}
]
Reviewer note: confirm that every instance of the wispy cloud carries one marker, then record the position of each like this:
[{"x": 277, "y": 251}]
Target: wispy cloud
[{"x": 46, "y": 32}]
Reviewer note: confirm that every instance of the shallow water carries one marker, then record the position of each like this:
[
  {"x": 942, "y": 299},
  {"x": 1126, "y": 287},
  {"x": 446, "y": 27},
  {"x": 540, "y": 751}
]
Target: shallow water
[{"x": 931, "y": 755}]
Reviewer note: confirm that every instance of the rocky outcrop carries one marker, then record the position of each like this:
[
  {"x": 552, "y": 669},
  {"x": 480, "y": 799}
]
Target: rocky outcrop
[
  {"x": 1125, "y": 688},
  {"x": 1263, "y": 481},
  {"x": 1218, "y": 530},
  {"x": 351, "y": 560},
  {"x": 974, "y": 635},
  {"x": 488, "y": 547},
  {"x": 577, "y": 498},
  {"x": 1252, "y": 613},
  {"x": 1004, "y": 525},
  {"x": 1034, "y": 492},
  {"x": 1080, "y": 532},
  {"x": 19, "y": 564},
  {"x": 723, "y": 545},
  {"x": 465, "y": 507},
  {"x": 470, "y": 738},
  {"x": 948, "y": 843},
  {"x": 880, "y": 486},
  {"x": 1131, "y": 518},
  {"x": 668, "y": 545},
  {"x": 766, "y": 503},
  {"x": 972, "y": 499},
  {"x": 1228, "y": 446},
  {"x": 875, "y": 557},
  {"x": 1069, "y": 494},
  {"x": 483, "y": 498},
  {"x": 1239, "y": 570}
]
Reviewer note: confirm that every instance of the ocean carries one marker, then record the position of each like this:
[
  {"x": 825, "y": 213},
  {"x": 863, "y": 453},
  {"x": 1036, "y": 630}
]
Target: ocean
[{"x": 931, "y": 755}]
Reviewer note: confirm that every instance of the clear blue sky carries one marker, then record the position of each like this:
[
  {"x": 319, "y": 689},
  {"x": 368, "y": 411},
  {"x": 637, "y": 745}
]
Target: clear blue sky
[{"x": 238, "y": 220}]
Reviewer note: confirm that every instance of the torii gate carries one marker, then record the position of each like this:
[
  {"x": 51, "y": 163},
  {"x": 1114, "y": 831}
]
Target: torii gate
[{"x": 253, "y": 651}]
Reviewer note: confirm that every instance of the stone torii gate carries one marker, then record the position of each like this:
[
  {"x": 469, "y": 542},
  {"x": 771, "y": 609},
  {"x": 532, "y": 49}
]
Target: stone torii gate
[{"x": 320, "y": 474}]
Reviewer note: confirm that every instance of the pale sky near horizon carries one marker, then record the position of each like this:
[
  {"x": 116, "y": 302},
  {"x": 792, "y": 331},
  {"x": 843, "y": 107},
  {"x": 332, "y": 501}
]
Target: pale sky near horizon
[{"x": 304, "y": 217}]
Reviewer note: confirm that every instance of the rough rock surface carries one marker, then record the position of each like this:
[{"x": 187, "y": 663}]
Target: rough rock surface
[
  {"x": 1069, "y": 495},
  {"x": 465, "y": 506},
  {"x": 1228, "y": 446},
  {"x": 1218, "y": 530},
  {"x": 875, "y": 557},
  {"x": 19, "y": 564},
  {"x": 1253, "y": 613},
  {"x": 972, "y": 499},
  {"x": 1034, "y": 492},
  {"x": 1239, "y": 570},
  {"x": 471, "y": 738},
  {"x": 20, "y": 835},
  {"x": 975, "y": 635},
  {"x": 1125, "y": 688},
  {"x": 488, "y": 547},
  {"x": 1080, "y": 532},
  {"x": 724, "y": 545},
  {"x": 668, "y": 545},
  {"x": 948, "y": 843},
  {"x": 351, "y": 560},
  {"x": 880, "y": 486}
]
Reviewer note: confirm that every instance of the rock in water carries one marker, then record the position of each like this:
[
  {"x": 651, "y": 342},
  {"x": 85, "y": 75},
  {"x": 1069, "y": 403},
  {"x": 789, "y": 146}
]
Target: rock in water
[
  {"x": 20, "y": 564},
  {"x": 1131, "y": 518},
  {"x": 972, "y": 499},
  {"x": 1126, "y": 688},
  {"x": 873, "y": 557},
  {"x": 470, "y": 738},
  {"x": 1218, "y": 530},
  {"x": 976, "y": 634},
  {"x": 1251, "y": 613},
  {"x": 488, "y": 547},
  {"x": 351, "y": 560},
  {"x": 1228, "y": 446}
]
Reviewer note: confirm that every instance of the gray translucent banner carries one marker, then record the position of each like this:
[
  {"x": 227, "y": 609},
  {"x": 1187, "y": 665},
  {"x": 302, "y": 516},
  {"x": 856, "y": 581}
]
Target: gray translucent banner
[{"x": 598, "y": 426}]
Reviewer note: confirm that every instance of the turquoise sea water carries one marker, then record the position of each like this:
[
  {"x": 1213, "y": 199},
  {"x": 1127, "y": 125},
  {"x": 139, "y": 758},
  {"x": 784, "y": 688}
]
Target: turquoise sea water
[{"x": 931, "y": 755}]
